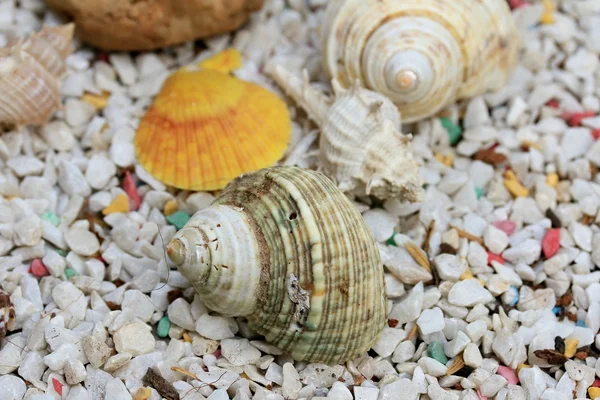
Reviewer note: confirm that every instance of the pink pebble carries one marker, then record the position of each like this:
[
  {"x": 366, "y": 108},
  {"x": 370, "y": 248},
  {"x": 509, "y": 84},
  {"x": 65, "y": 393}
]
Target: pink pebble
[
  {"x": 129, "y": 187},
  {"x": 481, "y": 397},
  {"x": 37, "y": 268},
  {"x": 506, "y": 226},
  {"x": 508, "y": 374}
]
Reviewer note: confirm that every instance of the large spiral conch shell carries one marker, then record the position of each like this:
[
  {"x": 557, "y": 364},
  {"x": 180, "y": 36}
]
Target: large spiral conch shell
[
  {"x": 422, "y": 54},
  {"x": 286, "y": 249},
  {"x": 361, "y": 144},
  {"x": 31, "y": 72}
]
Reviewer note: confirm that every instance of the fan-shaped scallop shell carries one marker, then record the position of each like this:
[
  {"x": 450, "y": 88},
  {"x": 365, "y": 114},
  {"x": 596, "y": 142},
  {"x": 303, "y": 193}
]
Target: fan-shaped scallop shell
[
  {"x": 361, "y": 144},
  {"x": 422, "y": 54},
  {"x": 286, "y": 249},
  {"x": 206, "y": 127},
  {"x": 31, "y": 72}
]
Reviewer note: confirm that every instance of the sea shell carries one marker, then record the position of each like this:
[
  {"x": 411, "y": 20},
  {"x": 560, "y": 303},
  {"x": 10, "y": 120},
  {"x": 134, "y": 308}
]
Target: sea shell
[
  {"x": 206, "y": 127},
  {"x": 361, "y": 144},
  {"x": 422, "y": 54},
  {"x": 7, "y": 314},
  {"x": 286, "y": 249},
  {"x": 31, "y": 72}
]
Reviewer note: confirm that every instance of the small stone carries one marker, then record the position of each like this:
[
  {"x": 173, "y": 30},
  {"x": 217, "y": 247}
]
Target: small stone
[
  {"x": 37, "y": 268},
  {"x": 116, "y": 390},
  {"x": 28, "y": 231},
  {"x": 99, "y": 171},
  {"x": 117, "y": 361},
  {"x": 291, "y": 382},
  {"x": 551, "y": 242},
  {"x": 338, "y": 391},
  {"x": 124, "y": 66},
  {"x": 388, "y": 340},
  {"x": 454, "y": 131},
  {"x": 82, "y": 241},
  {"x": 162, "y": 329},
  {"x": 450, "y": 267},
  {"x": 436, "y": 351},
  {"x": 170, "y": 207},
  {"x": 135, "y": 338},
  {"x": 57, "y": 359},
  {"x": 571, "y": 347},
  {"x": 468, "y": 293},
  {"x": 12, "y": 387},
  {"x": 180, "y": 314},
  {"x": 96, "y": 351},
  {"x": 492, "y": 385},
  {"x": 365, "y": 393},
  {"x": 472, "y": 356},
  {"x": 71, "y": 180},
  {"x": 432, "y": 367},
  {"x": 74, "y": 372},
  {"x": 508, "y": 374},
  {"x": 178, "y": 219},
  {"x": 69, "y": 273},
  {"x": 381, "y": 223},
  {"x": 495, "y": 239},
  {"x": 51, "y": 217},
  {"x": 582, "y": 235},
  {"x": 431, "y": 321},
  {"x": 120, "y": 204},
  {"x": 213, "y": 327},
  {"x": 239, "y": 352},
  {"x": 457, "y": 345},
  {"x": 58, "y": 135},
  {"x": 129, "y": 187},
  {"x": 402, "y": 389},
  {"x": 122, "y": 153}
]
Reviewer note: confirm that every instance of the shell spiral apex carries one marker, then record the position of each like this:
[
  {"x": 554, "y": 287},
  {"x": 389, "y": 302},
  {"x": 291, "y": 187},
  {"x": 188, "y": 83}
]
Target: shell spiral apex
[
  {"x": 286, "y": 249},
  {"x": 361, "y": 144},
  {"x": 31, "y": 72},
  {"x": 422, "y": 54}
]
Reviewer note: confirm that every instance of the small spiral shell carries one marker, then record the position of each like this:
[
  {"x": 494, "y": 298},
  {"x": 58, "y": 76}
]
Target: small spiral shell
[
  {"x": 422, "y": 54},
  {"x": 31, "y": 71},
  {"x": 361, "y": 145},
  {"x": 287, "y": 249}
]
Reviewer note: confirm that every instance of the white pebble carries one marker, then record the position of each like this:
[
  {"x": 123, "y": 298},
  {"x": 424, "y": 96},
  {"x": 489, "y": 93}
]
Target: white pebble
[
  {"x": 468, "y": 293},
  {"x": 135, "y": 338},
  {"x": 431, "y": 321}
]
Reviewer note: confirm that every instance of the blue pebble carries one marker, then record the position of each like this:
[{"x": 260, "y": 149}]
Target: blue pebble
[
  {"x": 580, "y": 323},
  {"x": 556, "y": 310},
  {"x": 516, "y": 299}
]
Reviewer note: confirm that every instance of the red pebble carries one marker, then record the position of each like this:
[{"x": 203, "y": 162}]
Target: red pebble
[
  {"x": 574, "y": 119},
  {"x": 596, "y": 383},
  {"x": 129, "y": 187},
  {"x": 553, "y": 103},
  {"x": 481, "y": 397},
  {"x": 506, "y": 226},
  {"x": 217, "y": 353},
  {"x": 596, "y": 134},
  {"x": 494, "y": 257},
  {"x": 37, "y": 268},
  {"x": 551, "y": 242},
  {"x": 57, "y": 386}
]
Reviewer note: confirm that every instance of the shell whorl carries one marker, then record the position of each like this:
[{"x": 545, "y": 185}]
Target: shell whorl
[
  {"x": 311, "y": 265},
  {"x": 361, "y": 143},
  {"x": 31, "y": 71},
  {"x": 422, "y": 54}
]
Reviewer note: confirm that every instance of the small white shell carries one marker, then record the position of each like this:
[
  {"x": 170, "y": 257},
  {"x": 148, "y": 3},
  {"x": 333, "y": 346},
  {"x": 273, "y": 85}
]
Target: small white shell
[
  {"x": 422, "y": 54},
  {"x": 361, "y": 145},
  {"x": 30, "y": 76}
]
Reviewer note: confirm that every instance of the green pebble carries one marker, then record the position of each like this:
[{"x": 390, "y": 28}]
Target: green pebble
[
  {"x": 164, "y": 325},
  {"x": 51, "y": 217},
  {"x": 436, "y": 351},
  {"x": 479, "y": 192},
  {"x": 62, "y": 252},
  {"x": 454, "y": 131},
  {"x": 70, "y": 272},
  {"x": 178, "y": 219},
  {"x": 391, "y": 241}
]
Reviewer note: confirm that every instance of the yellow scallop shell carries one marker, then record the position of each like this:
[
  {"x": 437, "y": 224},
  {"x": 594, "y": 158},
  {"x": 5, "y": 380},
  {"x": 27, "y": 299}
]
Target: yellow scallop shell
[{"x": 206, "y": 127}]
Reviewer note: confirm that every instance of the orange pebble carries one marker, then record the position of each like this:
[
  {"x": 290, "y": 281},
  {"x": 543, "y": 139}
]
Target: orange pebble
[
  {"x": 119, "y": 204},
  {"x": 170, "y": 207}
]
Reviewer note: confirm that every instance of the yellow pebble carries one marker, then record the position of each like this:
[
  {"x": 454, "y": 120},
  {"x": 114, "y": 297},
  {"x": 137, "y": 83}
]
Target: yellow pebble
[
  {"x": 119, "y": 204},
  {"x": 466, "y": 275},
  {"x": 446, "y": 160},
  {"x": 571, "y": 347},
  {"x": 594, "y": 393},
  {"x": 515, "y": 188},
  {"x": 548, "y": 15},
  {"x": 170, "y": 207},
  {"x": 142, "y": 393},
  {"x": 98, "y": 101},
  {"x": 552, "y": 179},
  {"x": 187, "y": 337},
  {"x": 522, "y": 366}
]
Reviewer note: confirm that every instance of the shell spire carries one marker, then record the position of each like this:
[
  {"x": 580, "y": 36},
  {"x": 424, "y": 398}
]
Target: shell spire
[
  {"x": 31, "y": 71},
  {"x": 361, "y": 144},
  {"x": 289, "y": 251},
  {"x": 422, "y": 54}
]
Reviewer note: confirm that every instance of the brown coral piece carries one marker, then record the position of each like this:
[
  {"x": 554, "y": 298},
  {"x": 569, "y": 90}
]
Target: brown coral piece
[{"x": 130, "y": 25}]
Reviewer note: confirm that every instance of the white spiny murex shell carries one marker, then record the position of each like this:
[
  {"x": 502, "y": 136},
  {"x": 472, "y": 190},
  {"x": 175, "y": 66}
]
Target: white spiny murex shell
[
  {"x": 361, "y": 144},
  {"x": 422, "y": 54},
  {"x": 31, "y": 72},
  {"x": 286, "y": 249}
]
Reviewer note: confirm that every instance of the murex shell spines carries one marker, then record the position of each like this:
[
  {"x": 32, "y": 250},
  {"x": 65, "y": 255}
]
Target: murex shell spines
[{"x": 320, "y": 293}]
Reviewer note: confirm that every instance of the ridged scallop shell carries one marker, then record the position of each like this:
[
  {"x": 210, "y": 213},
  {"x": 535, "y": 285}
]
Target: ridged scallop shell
[
  {"x": 206, "y": 127},
  {"x": 422, "y": 54},
  {"x": 361, "y": 144},
  {"x": 31, "y": 72},
  {"x": 286, "y": 249}
]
